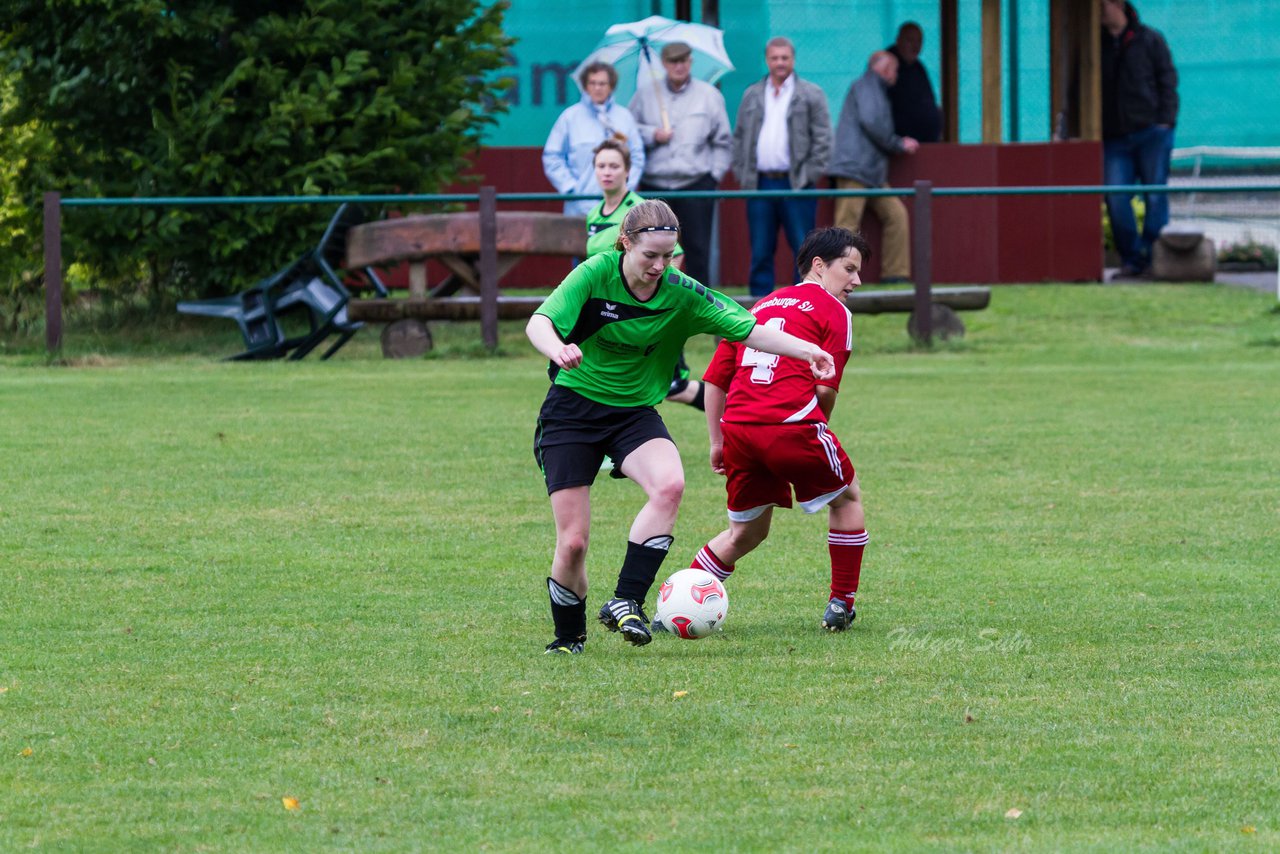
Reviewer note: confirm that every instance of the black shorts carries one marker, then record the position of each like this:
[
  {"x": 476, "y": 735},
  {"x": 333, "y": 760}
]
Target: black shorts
[{"x": 575, "y": 433}]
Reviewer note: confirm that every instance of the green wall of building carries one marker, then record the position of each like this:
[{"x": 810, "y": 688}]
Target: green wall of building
[{"x": 1227, "y": 53}]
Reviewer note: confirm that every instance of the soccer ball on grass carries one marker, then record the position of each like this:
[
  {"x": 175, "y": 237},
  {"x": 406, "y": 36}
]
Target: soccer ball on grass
[{"x": 692, "y": 603}]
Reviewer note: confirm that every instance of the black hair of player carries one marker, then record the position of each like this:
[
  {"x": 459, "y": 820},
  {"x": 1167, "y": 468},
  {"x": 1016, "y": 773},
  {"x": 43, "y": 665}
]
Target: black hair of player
[{"x": 829, "y": 244}]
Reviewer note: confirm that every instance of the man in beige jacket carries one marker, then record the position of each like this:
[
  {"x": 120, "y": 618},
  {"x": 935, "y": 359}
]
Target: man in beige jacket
[{"x": 781, "y": 141}]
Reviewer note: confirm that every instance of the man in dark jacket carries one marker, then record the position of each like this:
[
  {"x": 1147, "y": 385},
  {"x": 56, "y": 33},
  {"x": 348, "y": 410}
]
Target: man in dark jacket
[
  {"x": 915, "y": 109},
  {"x": 860, "y": 160},
  {"x": 1139, "y": 111},
  {"x": 782, "y": 141}
]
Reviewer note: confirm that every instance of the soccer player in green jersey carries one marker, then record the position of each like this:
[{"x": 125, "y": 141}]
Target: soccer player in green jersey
[
  {"x": 613, "y": 169},
  {"x": 612, "y": 330}
]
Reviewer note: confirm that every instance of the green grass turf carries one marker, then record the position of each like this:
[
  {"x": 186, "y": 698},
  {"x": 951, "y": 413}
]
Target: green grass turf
[{"x": 227, "y": 584}]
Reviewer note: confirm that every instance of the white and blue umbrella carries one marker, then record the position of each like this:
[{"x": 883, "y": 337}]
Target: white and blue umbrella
[{"x": 634, "y": 49}]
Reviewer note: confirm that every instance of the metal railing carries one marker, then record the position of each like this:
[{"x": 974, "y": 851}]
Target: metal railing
[{"x": 921, "y": 193}]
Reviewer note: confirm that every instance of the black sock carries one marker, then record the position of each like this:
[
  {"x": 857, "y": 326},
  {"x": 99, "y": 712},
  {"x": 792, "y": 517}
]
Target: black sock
[
  {"x": 568, "y": 612},
  {"x": 640, "y": 567},
  {"x": 698, "y": 402}
]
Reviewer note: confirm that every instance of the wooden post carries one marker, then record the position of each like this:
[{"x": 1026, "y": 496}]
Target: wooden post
[
  {"x": 991, "y": 93},
  {"x": 922, "y": 259},
  {"x": 1059, "y": 70},
  {"x": 1015, "y": 68},
  {"x": 1090, "y": 81},
  {"x": 950, "y": 47},
  {"x": 489, "y": 267},
  {"x": 418, "y": 279},
  {"x": 53, "y": 272}
]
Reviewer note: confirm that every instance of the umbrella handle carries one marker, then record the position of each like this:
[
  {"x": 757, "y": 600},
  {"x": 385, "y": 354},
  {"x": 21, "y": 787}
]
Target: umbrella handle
[
  {"x": 662, "y": 107},
  {"x": 657, "y": 88}
]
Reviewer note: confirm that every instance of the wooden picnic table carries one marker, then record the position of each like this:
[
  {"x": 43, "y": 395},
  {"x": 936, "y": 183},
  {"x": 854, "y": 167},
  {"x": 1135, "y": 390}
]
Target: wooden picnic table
[
  {"x": 477, "y": 247},
  {"x": 454, "y": 240}
]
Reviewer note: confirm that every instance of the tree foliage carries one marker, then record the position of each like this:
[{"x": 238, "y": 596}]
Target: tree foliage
[{"x": 248, "y": 97}]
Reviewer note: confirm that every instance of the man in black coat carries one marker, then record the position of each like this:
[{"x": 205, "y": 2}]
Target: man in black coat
[
  {"x": 1139, "y": 111},
  {"x": 915, "y": 109}
]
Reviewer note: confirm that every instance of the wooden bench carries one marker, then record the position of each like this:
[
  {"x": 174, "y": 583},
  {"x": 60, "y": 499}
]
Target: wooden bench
[
  {"x": 455, "y": 240},
  {"x": 523, "y": 307},
  {"x": 406, "y": 333}
]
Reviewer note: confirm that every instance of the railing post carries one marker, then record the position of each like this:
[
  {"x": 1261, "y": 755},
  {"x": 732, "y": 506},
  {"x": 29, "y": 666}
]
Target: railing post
[
  {"x": 53, "y": 272},
  {"x": 489, "y": 267},
  {"x": 922, "y": 259}
]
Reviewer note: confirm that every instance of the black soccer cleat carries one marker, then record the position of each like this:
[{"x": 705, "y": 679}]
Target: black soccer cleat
[
  {"x": 838, "y": 616},
  {"x": 566, "y": 646},
  {"x": 626, "y": 616}
]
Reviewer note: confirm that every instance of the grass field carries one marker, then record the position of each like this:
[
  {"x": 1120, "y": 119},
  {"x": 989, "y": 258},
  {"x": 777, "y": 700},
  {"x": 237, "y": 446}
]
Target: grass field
[{"x": 228, "y": 585}]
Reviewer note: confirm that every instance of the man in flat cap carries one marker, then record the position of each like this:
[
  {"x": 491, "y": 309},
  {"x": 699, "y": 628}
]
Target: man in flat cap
[{"x": 688, "y": 146}]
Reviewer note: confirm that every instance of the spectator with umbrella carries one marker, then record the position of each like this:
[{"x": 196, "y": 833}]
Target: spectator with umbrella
[
  {"x": 681, "y": 115},
  {"x": 689, "y": 146}
]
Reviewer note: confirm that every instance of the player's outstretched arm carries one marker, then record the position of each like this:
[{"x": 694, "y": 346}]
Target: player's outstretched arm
[
  {"x": 542, "y": 334},
  {"x": 713, "y": 399},
  {"x": 784, "y": 344}
]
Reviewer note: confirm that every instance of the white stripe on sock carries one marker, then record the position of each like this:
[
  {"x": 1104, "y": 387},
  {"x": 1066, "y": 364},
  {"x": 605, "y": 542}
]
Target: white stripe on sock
[
  {"x": 561, "y": 595},
  {"x": 707, "y": 561},
  {"x": 842, "y": 539}
]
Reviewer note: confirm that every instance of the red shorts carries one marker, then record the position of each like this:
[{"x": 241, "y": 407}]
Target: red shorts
[{"x": 763, "y": 461}]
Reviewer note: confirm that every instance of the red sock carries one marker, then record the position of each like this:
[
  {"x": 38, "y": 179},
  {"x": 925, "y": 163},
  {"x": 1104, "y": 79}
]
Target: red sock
[
  {"x": 846, "y": 562},
  {"x": 706, "y": 559}
]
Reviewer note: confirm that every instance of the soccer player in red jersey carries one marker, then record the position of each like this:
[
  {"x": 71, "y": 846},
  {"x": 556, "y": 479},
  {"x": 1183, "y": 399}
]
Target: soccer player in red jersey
[{"x": 767, "y": 417}]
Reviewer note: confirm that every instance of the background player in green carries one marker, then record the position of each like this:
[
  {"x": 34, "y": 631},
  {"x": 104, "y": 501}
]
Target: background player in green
[
  {"x": 612, "y": 329},
  {"x": 613, "y": 170}
]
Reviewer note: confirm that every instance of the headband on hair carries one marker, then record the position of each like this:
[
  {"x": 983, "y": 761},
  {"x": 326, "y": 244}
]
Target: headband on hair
[{"x": 654, "y": 228}]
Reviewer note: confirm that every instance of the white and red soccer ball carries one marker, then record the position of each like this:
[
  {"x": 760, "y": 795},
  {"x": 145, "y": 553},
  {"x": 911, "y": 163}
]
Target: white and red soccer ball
[{"x": 692, "y": 603}]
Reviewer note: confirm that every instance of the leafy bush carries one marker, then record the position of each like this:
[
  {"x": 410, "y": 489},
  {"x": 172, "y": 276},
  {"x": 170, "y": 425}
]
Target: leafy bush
[
  {"x": 1139, "y": 215},
  {"x": 1249, "y": 252},
  {"x": 213, "y": 98},
  {"x": 24, "y": 149}
]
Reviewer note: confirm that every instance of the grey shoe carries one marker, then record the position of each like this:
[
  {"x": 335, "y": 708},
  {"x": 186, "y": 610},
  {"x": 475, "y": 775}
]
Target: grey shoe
[{"x": 838, "y": 616}]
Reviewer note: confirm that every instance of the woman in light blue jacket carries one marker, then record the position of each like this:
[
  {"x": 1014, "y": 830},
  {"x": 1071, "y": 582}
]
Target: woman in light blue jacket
[{"x": 567, "y": 157}]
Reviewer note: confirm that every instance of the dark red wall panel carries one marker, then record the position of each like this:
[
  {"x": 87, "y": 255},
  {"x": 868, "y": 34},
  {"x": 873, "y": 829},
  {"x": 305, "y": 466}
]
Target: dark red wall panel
[{"x": 976, "y": 239}]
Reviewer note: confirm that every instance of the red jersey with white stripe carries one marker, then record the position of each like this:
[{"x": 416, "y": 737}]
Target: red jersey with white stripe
[{"x": 767, "y": 389}]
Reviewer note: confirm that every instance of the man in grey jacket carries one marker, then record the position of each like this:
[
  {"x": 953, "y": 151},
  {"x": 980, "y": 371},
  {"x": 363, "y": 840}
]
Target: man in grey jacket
[
  {"x": 865, "y": 141},
  {"x": 781, "y": 141},
  {"x": 687, "y": 143}
]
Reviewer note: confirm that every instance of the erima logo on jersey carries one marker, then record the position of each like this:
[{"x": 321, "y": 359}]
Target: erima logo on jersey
[{"x": 610, "y": 311}]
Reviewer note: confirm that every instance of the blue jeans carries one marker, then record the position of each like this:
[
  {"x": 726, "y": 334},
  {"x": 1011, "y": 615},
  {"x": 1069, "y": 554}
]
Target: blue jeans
[
  {"x": 796, "y": 216},
  {"x": 1141, "y": 157}
]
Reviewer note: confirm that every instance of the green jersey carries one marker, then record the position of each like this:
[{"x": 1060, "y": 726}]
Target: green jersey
[
  {"x": 629, "y": 348},
  {"x": 602, "y": 229}
]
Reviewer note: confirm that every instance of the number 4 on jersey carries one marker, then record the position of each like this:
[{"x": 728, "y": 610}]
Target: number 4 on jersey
[{"x": 761, "y": 363}]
